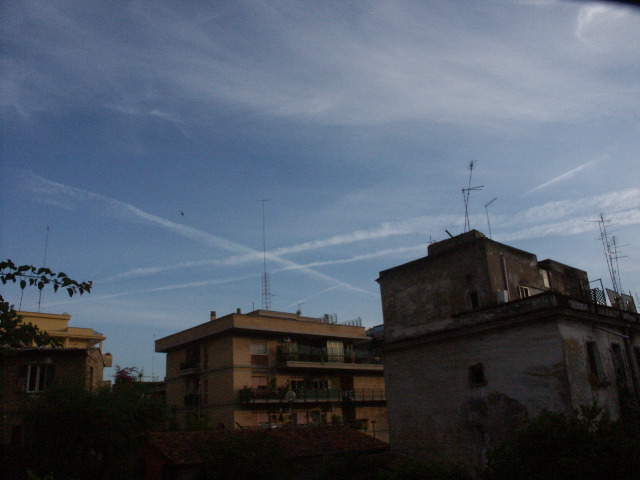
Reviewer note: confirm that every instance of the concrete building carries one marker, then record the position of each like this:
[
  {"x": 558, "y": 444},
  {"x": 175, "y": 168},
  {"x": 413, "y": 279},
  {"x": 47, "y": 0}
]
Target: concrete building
[
  {"x": 493, "y": 336},
  {"x": 268, "y": 368},
  {"x": 26, "y": 372}
]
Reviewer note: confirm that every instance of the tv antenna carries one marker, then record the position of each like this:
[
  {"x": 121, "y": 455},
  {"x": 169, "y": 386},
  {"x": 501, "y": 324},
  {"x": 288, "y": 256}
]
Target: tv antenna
[
  {"x": 611, "y": 254},
  {"x": 486, "y": 210},
  {"x": 266, "y": 289},
  {"x": 44, "y": 264},
  {"x": 465, "y": 195}
]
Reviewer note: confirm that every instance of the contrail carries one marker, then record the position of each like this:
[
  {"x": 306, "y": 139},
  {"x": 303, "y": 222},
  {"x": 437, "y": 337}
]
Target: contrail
[
  {"x": 559, "y": 178},
  {"x": 57, "y": 193}
]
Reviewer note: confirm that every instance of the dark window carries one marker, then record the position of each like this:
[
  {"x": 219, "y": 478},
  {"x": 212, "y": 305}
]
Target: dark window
[
  {"x": 593, "y": 355},
  {"x": 38, "y": 376},
  {"x": 474, "y": 299},
  {"x": 476, "y": 375},
  {"x": 636, "y": 351},
  {"x": 618, "y": 365}
]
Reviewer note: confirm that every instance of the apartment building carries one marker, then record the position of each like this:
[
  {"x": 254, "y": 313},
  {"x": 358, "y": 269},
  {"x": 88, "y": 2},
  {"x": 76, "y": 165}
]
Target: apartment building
[
  {"x": 267, "y": 368},
  {"x": 493, "y": 336},
  {"x": 26, "y": 372}
]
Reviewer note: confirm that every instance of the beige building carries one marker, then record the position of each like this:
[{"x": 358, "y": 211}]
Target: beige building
[
  {"x": 26, "y": 372},
  {"x": 493, "y": 336},
  {"x": 268, "y": 368}
]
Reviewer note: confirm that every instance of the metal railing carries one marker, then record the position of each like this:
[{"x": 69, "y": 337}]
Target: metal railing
[
  {"x": 311, "y": 395},
  {"x": 324, "y": 355}
]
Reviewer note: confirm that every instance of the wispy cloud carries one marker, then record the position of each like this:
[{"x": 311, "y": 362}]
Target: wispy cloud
[
  {"x": 561, "y": 177},
  {"x": 399, "y": 53}
]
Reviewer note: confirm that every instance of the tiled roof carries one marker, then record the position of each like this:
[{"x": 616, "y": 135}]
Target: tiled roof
[{"x": 181, "y": 448}]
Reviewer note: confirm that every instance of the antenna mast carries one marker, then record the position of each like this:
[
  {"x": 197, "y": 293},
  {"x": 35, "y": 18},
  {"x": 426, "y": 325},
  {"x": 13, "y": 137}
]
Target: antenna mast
[
  {"x": 486, "y": 210},
  {"x": 44, "y": 264},
  {"x": 266, "y": 289},
  {"x": 611, "y": 254},
  {"x": 465, "y": 197}
]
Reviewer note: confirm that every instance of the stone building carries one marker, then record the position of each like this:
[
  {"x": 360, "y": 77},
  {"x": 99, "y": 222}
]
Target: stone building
[
  {"x": 26, "y": 372},
  {"x": 269, "y": 368},
  {"x": 493, "y": 336}
]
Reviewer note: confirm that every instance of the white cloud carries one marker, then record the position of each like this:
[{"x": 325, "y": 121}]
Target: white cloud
[{"x": 375, "y": 63}]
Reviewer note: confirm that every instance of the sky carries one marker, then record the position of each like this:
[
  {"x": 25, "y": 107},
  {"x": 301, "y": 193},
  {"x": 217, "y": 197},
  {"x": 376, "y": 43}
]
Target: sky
[{"x": 166, "y": 149}]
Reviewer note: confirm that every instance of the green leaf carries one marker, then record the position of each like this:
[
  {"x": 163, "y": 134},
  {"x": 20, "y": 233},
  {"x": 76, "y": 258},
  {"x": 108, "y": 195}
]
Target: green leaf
[
  {"x": 23, "y": 283},
  {"x": 70, "y": 290}
]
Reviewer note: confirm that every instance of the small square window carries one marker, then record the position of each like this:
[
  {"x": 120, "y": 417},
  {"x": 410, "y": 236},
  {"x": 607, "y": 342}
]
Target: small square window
[
  {"x": 259, "y": 347},
  {"x": 38, "y": 376},
  {"x": 477, "y": 377}
]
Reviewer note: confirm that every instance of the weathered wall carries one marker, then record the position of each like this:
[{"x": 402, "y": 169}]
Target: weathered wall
[{"x": 433, "y": 410}]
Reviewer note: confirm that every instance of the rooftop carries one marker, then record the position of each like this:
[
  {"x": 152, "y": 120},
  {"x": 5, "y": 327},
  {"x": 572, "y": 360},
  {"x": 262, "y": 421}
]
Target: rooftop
[{"x": 181, "y": 448}]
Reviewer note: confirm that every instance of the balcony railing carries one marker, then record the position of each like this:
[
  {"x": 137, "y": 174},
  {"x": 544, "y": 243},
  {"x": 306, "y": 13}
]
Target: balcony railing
[
  {"x": 323, "y": 355},
  {"x": 312, "y": 395},
  {"x": 189, "y": 366}
]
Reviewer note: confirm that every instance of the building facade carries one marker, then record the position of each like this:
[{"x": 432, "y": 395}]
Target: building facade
[
  {"x": 26, "y": 372},
  {"x": 493, "y": 337},
  {"x": 270, "y": 368}
]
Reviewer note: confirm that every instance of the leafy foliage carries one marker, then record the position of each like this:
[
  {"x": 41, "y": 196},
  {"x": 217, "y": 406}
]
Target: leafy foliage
[
  {"x": 556, "y": 446},
  {"x": 13, "y": 331},
  {"x": 126, "y": 375},
  {"x": 257, "y": 456},
  {"x": 74, "y": 433}
]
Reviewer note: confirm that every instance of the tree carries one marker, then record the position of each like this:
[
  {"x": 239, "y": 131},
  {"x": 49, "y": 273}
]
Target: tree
[
  {"x": 256, "y": 455},
  {"x": 588, "y": 446},
  {"x": 71, "y": 432},
  {"x": 14, "y": 333}
]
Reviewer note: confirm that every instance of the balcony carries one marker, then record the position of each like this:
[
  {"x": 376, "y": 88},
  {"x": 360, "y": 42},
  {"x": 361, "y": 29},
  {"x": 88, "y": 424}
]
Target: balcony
[
  {"x": 312, "y": 395},
  {"x": 189, "y": 368},
  {"x": 318, "y": 357}
]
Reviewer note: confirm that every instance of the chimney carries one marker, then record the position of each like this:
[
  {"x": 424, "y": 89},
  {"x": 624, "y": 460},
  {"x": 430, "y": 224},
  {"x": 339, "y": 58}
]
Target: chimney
[
  {"x": 238, "y": 311},
  {"x": 213, "y": 315}
]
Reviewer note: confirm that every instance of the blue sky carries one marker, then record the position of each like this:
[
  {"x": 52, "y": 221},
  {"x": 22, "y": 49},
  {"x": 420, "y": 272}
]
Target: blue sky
[{"x": 357, "y": 120}]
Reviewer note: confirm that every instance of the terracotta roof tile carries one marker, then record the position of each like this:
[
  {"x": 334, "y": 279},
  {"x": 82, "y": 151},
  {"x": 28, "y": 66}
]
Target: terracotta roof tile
[{"x": 181, "y": 448}]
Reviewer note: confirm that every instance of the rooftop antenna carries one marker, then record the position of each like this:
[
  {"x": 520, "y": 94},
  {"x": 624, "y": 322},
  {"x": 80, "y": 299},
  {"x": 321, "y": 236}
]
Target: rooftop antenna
[
  {"x": 44, "y": 264},
  {"x": 465, "y": 196},
  {"x": 486, "y": 210},
  {"x": 611, "y": 254},
  {"x": 266, "y": 289}
]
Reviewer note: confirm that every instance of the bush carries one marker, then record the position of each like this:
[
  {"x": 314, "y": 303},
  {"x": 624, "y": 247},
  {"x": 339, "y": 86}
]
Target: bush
[{"x": 555, "y": 446}]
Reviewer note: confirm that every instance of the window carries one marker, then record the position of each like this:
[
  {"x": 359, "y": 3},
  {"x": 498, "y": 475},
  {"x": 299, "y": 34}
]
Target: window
[
  {"x": 619, "y": 366},
  {"x": 636, "y": 351},
  {"x": 524, "y": 292},
  {"x": 335, "y": 351},
  {"x": 595, "y": 365},
  {"x": 477, "y": 377},
  {"x": 259, "y": 382},
  {"x": 259, "y": 352},
  {"x": 474, "y": 300},
  {"x": 297, "y": 383},
  {"x": 38, "y": 376},
  {"x": 259, "y": 347}
]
